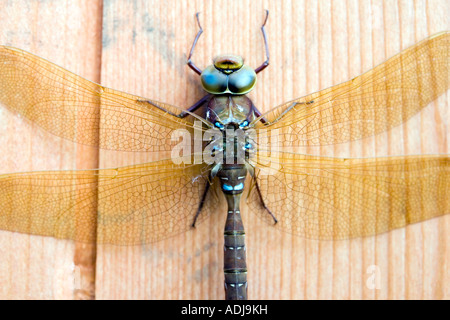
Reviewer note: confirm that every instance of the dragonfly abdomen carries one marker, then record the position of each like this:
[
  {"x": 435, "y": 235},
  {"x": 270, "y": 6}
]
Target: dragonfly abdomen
[
  {"x": 232, "y": 178},
  {"x": 235, "y": 266}
]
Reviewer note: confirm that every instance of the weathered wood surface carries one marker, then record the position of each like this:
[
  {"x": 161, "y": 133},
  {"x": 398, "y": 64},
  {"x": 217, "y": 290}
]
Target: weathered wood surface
[{"x": 140, "y": 47}]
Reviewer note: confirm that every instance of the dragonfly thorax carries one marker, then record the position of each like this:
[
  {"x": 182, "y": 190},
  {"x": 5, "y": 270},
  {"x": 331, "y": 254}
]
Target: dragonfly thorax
[
  {"x": 232, "y": 116},
  {"x": 228, "y": 75},
  {"x": 230, "y": 111}
]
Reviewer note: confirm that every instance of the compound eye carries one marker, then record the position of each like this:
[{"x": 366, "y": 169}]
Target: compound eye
[
  {"x": 217, "y": 124},
  {"x": 214, "y": 81},
  {"x": 242, "y": 81}
]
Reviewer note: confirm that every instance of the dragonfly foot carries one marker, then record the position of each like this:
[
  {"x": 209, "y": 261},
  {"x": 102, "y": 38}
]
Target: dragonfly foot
[{"x": 275, "y": 220}]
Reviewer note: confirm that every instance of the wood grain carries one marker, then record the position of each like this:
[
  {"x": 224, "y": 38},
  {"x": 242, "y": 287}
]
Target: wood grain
[
  {"x": 68, "y": 34},
  {"x": 313, "y": 45}
]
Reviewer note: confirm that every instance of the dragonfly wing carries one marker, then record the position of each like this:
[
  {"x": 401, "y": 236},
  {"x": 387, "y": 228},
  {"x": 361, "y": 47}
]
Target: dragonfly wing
[
  {"x": 374, "y": 102},
  {"x": 124, "y": 206},
  {"x": 79, "y": 110},
  {"x": 331, "y": 198}
]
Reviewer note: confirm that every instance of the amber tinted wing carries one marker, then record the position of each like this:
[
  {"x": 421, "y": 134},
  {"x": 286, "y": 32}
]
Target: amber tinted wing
[
  {"x": 369, "y": 104},
  {"x": 330, "y": 198},
  {"x": 125, "y": 206},
  {"x": 74, "y": 108}
]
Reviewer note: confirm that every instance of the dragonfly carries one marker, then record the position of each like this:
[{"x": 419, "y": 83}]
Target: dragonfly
[{"x": 316, "y": 197}]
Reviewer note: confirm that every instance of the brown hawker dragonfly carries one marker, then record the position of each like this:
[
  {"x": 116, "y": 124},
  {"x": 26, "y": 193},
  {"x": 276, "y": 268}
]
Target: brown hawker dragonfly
[{"x": 311, "y": 196}]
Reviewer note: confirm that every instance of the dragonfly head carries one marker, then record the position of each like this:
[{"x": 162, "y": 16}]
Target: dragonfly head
[
  {"x": 228, "y": 74},
  {"x": 228, "y": 63}
]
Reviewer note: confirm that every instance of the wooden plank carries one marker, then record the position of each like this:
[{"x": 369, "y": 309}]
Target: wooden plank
[
  {"x": 68, "y": 34},
  {"x": 313, "y": 45}
]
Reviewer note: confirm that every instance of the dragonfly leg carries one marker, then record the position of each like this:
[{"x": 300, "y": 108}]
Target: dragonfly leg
[
  {"x": 263, "y": 204},
  {"x": 287, "y": 110},
  {"x": 202, "y": 202},
  {"x": 263, "y": 30},
  {"x": 189, "y": 61},
  {"x": 183, "y": 114},
  {"x": 195, "y": 106},
  {"x": 258, "y": 114}
]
